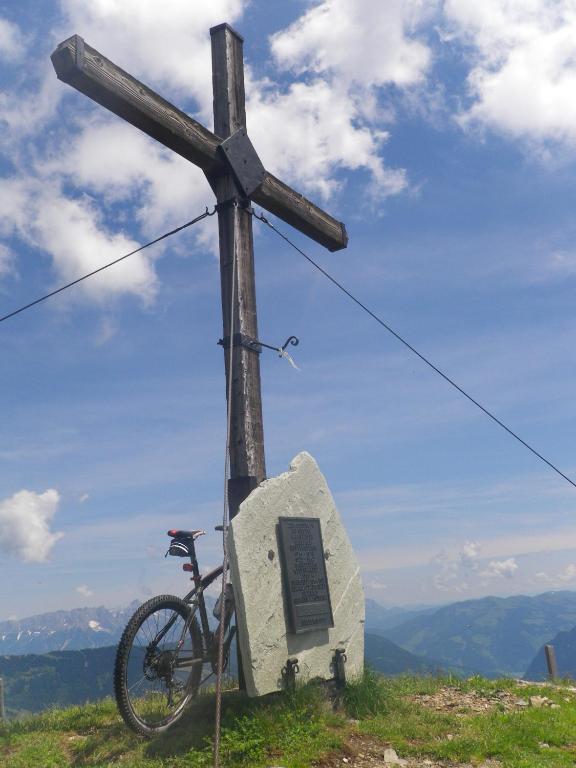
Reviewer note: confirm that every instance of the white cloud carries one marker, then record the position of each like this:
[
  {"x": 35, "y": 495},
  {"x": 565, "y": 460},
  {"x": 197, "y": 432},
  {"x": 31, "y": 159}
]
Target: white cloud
[
  {"x": 497, "y": 569},
  {"x": 524, "y": 73},
  {"x": 6, "y": 261},
  {"x": 11, "y": 42},
  {"x": 344, "y": 50},
  {"x": 71, "y": 230},
  {"x": 83, "y": 498},
  {"x": 470, "y": 552},
  {"x": 455, "y": 570},
  {"x": 25, "y": 525},
  {"x": 377, "y": 585},
  {"x": 167, "y": 43},
  {"x": 85, "y": 591},
  {"x": 25, "y": 110},
  {"x": 114, "y": 160},
  {"x": 306, "y": 134},
  {"x": 568, "y": 574},
  {"x": 366, "y": 42},
  {"x": 565, "y": 576}
]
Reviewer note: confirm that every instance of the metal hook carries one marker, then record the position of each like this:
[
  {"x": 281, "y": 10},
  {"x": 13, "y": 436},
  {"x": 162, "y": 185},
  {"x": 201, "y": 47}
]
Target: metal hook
[{"x": 293, "y": 340}]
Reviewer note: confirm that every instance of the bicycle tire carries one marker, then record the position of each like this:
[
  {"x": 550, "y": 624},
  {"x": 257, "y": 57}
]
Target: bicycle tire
[{"x": 155, "y": 663}]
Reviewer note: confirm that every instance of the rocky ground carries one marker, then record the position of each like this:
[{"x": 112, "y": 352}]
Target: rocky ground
[
  {"x": 367, "y": 752},
  {"x": 362, "y": 751}
]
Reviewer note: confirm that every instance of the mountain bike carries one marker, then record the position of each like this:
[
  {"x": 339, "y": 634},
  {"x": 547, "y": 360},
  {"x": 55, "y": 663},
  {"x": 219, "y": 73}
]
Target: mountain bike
[{"x": 167, "y": 645}]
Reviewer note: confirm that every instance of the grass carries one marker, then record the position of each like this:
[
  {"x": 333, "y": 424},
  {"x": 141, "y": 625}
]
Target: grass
[
  {"x": 523, "y": 738},
  {"x": 298, "y": 730}
]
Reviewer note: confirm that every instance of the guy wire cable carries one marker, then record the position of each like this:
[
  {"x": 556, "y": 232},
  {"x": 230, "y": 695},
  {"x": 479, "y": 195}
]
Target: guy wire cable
[
  {"x": 424, "y": 359},
  {"x": 110, "y": 264},
  {"x": 225, "y": 516}
]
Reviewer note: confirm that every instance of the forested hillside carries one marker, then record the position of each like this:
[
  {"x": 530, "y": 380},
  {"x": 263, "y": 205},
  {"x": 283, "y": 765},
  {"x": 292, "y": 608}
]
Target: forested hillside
[
  {"x": 565, "y": 649},
  {"x": 492, "y": 636}
]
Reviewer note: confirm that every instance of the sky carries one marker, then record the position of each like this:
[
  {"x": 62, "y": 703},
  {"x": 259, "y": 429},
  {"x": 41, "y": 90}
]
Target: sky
[{"x": 444, "y": 135}]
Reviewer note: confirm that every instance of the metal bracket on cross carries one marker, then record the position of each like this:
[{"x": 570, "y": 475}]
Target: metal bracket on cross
[
  {"x": 289, "y": 673},
  {"x": 242, "y": 159},
  {"x": 254, "y": 345},
  {"x": 338, "y": 663}
]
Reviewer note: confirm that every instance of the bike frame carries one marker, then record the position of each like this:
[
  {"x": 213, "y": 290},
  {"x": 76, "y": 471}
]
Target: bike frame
[{"x": 197, "y": 595}]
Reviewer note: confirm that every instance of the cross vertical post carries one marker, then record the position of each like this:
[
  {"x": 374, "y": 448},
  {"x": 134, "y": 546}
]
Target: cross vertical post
[{"x": 247, "y": 462}]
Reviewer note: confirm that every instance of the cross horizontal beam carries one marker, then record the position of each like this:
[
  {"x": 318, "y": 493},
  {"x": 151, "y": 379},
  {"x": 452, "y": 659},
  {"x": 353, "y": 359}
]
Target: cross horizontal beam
[{"x": 85, "y": 69}]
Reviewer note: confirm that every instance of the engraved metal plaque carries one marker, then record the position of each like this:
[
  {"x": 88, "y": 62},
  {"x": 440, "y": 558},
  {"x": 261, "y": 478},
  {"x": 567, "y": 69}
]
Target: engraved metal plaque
[{"x": 304, "y": 569}]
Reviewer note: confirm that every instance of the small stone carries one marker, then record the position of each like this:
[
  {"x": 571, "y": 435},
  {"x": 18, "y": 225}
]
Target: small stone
[
  {"x": 554, "y": 706},
  {"x": 450, "y": 736},
  {"x": 521, "y": 703},
  {"x": 427, "y": 762},
  {"x": 538, "y": 701},
  {"x": 345, "y": 760},
  {"x": 391, "y": 758},
  {"x": 543, "y": 745}
]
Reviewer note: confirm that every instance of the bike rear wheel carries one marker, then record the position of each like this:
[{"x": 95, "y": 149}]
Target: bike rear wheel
[{"x": 158, "y": 665}]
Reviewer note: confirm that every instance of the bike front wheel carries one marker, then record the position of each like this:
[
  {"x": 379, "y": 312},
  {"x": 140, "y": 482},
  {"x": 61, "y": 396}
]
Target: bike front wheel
[{"x": 158, "y": 665}]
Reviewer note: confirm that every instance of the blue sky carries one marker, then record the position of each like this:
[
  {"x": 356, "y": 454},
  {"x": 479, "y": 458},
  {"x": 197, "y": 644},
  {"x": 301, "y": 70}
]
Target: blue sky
[{"x": 444, "y": 135}]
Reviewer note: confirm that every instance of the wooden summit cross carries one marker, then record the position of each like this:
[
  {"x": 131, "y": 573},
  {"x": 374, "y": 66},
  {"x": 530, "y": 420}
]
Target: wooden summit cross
[{"x": 236, "y": 176}]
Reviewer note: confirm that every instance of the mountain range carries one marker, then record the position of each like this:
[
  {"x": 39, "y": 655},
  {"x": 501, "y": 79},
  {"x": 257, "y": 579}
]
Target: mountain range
[
  {"x": 66, "y": 657},
  {"x": 495, "y": 637},
  {"x": 100, "y": 627},
  {"x": 64, "y": 630},
  {"x": 379, "y": 619}
]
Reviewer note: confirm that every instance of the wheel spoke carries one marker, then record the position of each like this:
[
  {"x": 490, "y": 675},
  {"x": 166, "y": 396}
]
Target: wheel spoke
[{"x": 155, "y": 674}]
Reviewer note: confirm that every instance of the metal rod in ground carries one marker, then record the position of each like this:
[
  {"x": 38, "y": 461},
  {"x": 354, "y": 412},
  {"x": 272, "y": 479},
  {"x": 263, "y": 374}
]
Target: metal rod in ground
[
  {"x": 2, "y": 708},
  {"x": 551, "y": 661}
]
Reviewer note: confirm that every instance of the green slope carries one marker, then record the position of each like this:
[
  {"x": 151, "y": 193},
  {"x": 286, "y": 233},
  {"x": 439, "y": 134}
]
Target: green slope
[
  {"x": 493, "y": 636},
  {"x": 34, "y": 682},
  {"x": 565, "y": 649},
  {"x": 388, "y": 658},
  {"x": 480, "y": 724}
]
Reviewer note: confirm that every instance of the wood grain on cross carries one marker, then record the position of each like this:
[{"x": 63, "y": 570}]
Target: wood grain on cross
[{"x": 82, "y": 67}]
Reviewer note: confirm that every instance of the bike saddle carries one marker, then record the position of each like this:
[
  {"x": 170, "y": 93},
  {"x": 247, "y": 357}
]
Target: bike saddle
[{"x": 186, "y": 534}]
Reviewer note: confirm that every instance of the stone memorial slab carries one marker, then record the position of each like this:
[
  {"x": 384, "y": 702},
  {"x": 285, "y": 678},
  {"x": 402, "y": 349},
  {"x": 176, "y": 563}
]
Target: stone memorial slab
[
  {"x": 280, "y": 587},
  {"x": 305, "y": 576}
]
